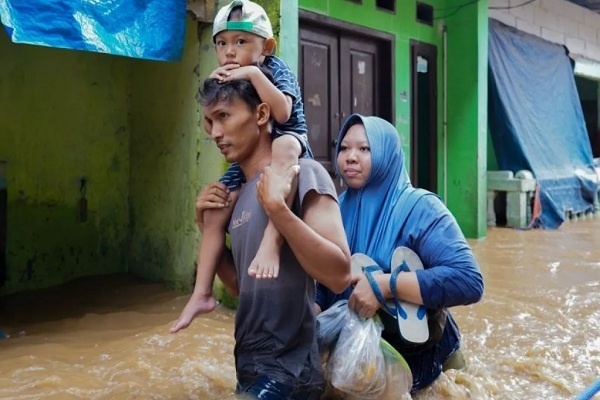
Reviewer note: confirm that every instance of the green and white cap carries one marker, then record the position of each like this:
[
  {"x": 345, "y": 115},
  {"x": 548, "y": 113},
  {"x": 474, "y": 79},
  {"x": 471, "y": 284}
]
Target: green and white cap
[{"x": 254, "y": 19}]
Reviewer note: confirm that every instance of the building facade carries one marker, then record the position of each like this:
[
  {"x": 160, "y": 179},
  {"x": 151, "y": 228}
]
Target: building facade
[{"x": 102, "y": 156}]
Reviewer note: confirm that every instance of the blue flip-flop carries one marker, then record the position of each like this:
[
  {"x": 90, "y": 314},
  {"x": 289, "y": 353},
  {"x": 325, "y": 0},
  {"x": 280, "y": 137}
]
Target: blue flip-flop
[
  {"x": 363, "y": 263},
  {"x": 412, "y": 318}
]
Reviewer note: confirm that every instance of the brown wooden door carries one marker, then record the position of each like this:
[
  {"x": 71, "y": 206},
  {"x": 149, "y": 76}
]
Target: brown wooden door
[
  {"x": 358, "y": 82},
  {"x": 319, "y": 63},
  {"x": 340, "y": 75}
]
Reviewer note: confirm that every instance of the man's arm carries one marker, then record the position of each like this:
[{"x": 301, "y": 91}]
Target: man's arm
[
  {"x": 226, "y": 272},
  {"x": 318, "y": 239}
]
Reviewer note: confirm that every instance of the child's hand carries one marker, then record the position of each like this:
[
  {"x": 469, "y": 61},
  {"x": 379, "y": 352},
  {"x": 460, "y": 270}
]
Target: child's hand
[
  {"x": 223, "y": 72},
  {"x": 214, "y": 195},
  {"x": 240, "y": 73}
]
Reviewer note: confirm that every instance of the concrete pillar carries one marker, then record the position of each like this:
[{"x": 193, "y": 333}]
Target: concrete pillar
[
  {"x": 491, "y": 212},
  {"x": 516, "y": 209}
]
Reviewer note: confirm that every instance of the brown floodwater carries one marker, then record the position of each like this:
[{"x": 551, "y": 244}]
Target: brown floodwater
[{"x": 535, "y": 335}]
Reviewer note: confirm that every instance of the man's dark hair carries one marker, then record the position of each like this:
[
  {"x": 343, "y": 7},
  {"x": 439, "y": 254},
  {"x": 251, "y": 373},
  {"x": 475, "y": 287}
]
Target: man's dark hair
[{"x": 213, "y": 91}]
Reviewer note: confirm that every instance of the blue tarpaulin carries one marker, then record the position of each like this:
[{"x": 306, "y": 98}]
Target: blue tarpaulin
[
  {"x": 536, "y": 121},
  {"x": 150, "y": 29}
]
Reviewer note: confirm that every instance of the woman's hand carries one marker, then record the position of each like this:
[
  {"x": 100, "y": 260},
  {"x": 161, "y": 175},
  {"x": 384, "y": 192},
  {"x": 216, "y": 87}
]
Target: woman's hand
[{"x": 363, "y": 300}]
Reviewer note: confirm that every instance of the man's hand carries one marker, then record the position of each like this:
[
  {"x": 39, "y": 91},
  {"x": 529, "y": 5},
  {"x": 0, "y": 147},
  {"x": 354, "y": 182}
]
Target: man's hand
[
  {"x": 363, "y": 300},
  {"x": 272, "y": 188},
  {"x": 214, "y": 195},
  {"x": 223, "y": 72}
]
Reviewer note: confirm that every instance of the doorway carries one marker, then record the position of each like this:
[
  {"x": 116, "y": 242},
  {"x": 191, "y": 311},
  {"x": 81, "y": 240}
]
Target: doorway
[
  {"x": 588, "y": 95},
  {"x": 423, "y": 138},
  {"x": 343, "y": 69}
]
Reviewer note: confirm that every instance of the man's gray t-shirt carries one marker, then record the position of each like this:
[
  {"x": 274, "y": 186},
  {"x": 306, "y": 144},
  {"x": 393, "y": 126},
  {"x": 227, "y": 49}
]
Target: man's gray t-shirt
[{"x": 275, "y": 322}]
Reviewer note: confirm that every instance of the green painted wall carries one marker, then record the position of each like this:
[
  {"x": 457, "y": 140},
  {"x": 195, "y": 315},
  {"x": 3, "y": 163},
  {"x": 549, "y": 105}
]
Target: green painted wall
[
  {"x": 287, "y": 46},
  {"x": 467, "y": 65},
  {"x": 492, "y": 162},
  {"x": 171, "y": 159},
  {"x": 467, "y": 116},
  {"x": 132, "y": 129},
  {"x": 63, "y": 116}
]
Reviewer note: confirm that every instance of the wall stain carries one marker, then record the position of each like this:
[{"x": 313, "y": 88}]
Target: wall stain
[{"x": 28, "y": 273}]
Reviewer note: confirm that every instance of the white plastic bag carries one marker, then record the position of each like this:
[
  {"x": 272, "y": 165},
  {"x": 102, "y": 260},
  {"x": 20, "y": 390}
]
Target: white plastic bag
[
  {"x": 330, "y": 324},
  {"x": 357, "y": 367}
]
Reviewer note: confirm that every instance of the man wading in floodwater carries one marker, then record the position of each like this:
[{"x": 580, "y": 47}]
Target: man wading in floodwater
[{"x": 276, "y": 351}]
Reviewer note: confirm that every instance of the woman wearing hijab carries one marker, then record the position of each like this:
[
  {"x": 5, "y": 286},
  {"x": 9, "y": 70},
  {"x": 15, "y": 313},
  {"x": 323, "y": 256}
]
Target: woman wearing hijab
[{"x": 383, "y": 213}]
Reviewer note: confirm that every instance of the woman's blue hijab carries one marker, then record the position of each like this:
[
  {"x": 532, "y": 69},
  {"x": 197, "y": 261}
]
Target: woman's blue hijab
[
  {"x": 371, "y": 214},
  {"x": 377, "y": 219}
]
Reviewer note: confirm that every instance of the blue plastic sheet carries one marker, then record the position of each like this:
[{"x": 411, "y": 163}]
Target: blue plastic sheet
[
  {"x": 150, "y": 29},
  {"x": 536, "y": 121}
]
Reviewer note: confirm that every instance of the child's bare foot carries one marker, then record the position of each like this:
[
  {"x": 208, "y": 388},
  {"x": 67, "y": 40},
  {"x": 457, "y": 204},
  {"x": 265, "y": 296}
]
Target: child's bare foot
[
  {"x": 265, "y": 263},
  {"x": 196, "y": 305}
]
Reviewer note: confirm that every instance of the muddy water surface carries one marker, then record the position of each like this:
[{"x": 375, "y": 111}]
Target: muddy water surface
[{"x": 536, "y": 334}]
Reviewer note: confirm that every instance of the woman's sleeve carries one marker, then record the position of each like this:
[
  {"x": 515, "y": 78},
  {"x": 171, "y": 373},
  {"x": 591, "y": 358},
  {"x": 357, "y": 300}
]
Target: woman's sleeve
[
  {"x": 451, "y": 276},
  {"x": 325, "y": 298}
]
